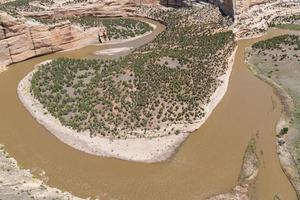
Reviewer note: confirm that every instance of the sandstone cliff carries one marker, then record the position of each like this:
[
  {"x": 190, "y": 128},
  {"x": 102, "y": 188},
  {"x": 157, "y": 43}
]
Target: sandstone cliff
[
  {"x": 21, "y": 39},
  {"x": 104, "y": 8},
  {"x": 252, "y": 19},
  {"x": 242, "y": 5}
]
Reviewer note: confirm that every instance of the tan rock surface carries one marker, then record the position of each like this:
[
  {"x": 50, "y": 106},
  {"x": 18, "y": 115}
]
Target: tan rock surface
[
  {"x": 21, "y": 39},
  {"x": 242, "y": 5},
  {"x": 5, "y": 58},
  {"x": 40, "y": 35},
  {"x": 17, "y": 183},
  {"x": 255, "y": 20},
  {"x": 106, "y": 8}
]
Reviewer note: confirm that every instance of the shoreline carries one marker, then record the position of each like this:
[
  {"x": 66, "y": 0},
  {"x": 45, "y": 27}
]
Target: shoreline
[
  {"x": 248, "y": 175},
  {"x": 19, "y": 183},
  {"x": 121, "y": 41},
  {"x": 90, "y": 39},
  {"x": 286, "y": 159},
  {"x": 147, "y": 150},
  {"x": 258, "y": 29},
  {"x": 113, "y": 51},
  {"x": 205, "y": 116}
]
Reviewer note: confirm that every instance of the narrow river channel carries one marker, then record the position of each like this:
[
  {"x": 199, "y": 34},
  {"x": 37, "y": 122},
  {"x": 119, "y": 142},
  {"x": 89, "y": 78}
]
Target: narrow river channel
[{"x": 207, "y": 163}]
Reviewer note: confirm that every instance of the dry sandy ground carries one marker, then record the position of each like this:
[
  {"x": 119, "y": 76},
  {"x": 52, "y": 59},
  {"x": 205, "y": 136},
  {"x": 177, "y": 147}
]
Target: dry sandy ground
[
  {"x": 283, "y": 76},
  {"x": 112, "y": 51},
  {"x": 135, "y": 149}
]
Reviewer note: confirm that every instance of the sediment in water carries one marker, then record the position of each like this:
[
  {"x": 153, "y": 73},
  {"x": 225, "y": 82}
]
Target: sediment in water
[
  {"x": 147, "y": 150},
  {"x": 248, "y": 174},
  {"x": 183, "y": 166},
  {"x": 286, "y": 158},
  {"x": 17, "y": 183}
]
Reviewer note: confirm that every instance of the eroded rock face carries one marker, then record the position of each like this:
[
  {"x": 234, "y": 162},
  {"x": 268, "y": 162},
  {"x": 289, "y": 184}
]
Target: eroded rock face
[
  {"x": 106, "y": 8},
  {"x": 242, "y": 5},
  {"x": 4, "y": 1},
  {"x": 16, "y": 183},
  {"x": 20, "y": 39},
  {"x": 253, "y": 19},
  {"x": 235, "y": 7},
  {"x": 152, "y": 2}
]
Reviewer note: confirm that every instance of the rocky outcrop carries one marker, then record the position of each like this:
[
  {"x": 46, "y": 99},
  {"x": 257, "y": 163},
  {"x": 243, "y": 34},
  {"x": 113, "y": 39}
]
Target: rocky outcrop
[
  {"x": 152, "y": 2},
  {"x": 107, "y": 8},
  {"x": 4, "y": 1},
  {"x": 16, "y": 183},
  {"x": 21, "y": 39},
  {"x": 242, "y": 5},
  {"x": 99, "y": 8},
  {"x": 254, "y": 20}
]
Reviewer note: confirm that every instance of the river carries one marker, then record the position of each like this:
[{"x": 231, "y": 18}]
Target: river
[{"x": 207, "y": 163}]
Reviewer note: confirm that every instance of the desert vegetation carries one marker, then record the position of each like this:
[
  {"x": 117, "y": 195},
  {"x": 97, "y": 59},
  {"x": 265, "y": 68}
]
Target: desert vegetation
[
  {"x": 123, "y": 28},
  {"x": 278, "y": 43},
  {"x": 287, "y": 22},
  {"x": 166, "y": 82},
  {"x": 14, "y": 7},
  {"x": 279, "y": 60},
  {"x": 116, "y": 28}
]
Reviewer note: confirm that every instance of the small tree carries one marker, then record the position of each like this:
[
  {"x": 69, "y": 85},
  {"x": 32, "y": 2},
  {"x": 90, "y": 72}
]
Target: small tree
[{"x": 284, "y": 130}]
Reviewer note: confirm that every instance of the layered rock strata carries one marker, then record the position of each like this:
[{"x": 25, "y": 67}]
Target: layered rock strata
[
  {"x": 255, "y": 20},
  {"x": 106, "y": 8},
  {"x": 21, "y": 39}
]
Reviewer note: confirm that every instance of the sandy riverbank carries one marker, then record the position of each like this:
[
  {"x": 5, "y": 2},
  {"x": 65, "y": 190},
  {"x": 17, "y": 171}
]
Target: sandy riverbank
[
  {"x": 121, "y": 41},
  {"x": 283, "y": 141},
  {"x": 248, "y": 174},
  {"x": 135, "y": 149},
  {"x": 113, "y": 42},
  {"x": 113, "y": 51},
  {"x": 286, "y": 159},
  {"x": 17, "y": 183}
]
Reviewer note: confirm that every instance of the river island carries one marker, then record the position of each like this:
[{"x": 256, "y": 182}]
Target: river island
[{"x": 141, "y": 102}]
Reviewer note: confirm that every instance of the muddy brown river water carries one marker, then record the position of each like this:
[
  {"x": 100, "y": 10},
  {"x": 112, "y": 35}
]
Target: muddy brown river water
[{"x": 207, "y": 163}]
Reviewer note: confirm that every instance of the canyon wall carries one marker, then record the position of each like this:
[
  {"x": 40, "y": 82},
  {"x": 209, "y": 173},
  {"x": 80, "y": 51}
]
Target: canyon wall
[
  {"x": 107, "y": 8},
  {"x": 21, "y": 39},
  {"x": 152, "y": 2},
  {"x": 234, "y": 7},
  {"x": 242, "y": 5},
  {"x": 253, "y": 19}
]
